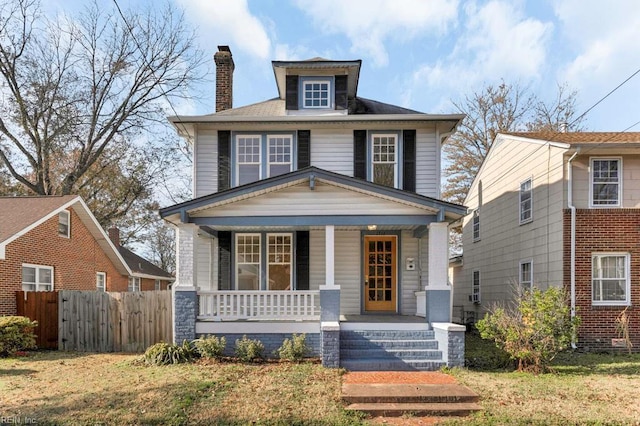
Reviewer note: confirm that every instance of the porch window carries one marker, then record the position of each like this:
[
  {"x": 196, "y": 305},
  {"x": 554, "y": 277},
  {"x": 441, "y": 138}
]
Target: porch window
[
  {"x": 248, "y": 261},
  {"x": 101, "y": 281},
  {"x": 526, "y": 274},
  {"x": 526, "y": 202},
  {"x": 606, "y": 182},
  {"x": 248, "y": 159},
  {"x": 37, "y": 278},
  {"x": 384, "y": 160},
  {"x": 610, "y": 283}
]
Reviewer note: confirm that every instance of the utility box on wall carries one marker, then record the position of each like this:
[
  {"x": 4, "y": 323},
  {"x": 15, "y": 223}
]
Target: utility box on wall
[{"x": 410, "y": 264}]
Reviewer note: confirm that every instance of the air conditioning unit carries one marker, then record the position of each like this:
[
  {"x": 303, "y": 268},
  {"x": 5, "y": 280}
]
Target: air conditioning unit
[{"x": 475, "y": 298}]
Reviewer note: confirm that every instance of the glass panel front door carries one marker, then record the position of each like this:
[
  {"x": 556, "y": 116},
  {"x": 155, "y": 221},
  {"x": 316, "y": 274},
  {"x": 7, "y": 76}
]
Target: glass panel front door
[{"x": 380, "y": 274}]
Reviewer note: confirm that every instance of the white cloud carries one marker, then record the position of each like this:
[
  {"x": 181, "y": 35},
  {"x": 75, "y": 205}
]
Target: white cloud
[
  {"x": 229, "y": 22},
  {"x": 369, "y": 23},
  {"x": 497, "y": 41}
]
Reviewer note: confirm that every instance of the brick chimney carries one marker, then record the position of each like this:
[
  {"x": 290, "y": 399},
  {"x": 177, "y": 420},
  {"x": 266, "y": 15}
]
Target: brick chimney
[
  {"x": 114, "y": 236},
  {"x": 224, "y": 78}
]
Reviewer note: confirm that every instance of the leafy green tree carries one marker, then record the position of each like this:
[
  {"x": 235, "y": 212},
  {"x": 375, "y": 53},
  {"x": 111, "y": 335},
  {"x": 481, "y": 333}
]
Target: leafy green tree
[{"x": 534, "y": 329}]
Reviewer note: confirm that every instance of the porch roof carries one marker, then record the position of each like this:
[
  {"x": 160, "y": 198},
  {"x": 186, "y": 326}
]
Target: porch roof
[{"x": 213, "y": 210}]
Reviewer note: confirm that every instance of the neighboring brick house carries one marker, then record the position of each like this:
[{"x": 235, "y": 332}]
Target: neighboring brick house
[
  {"x": 55, "y": 243},
  {"x": 557, "y": 209},
  {"x": 145, "y": 275},
  {"x": 318, "y": 212}
]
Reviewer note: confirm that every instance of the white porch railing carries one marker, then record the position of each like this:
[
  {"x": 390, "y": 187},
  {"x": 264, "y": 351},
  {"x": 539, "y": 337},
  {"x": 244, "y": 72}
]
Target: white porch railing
[{"x": 259, "y": 305}]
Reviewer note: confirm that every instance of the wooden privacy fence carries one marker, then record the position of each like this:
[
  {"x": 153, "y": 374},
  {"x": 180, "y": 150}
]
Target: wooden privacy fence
[
  {"x": 41, "y": 306},
  {"x": 92, "y": 321}
]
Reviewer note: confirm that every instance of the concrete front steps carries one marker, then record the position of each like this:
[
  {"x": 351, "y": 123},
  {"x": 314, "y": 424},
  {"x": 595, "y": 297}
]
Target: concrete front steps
[
  {"x": 390, "y": 350},
  {"x": 394, "y": 400}
]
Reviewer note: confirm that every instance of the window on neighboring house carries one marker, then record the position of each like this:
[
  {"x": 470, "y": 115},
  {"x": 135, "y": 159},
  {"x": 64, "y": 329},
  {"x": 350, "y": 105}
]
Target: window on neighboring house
[
  {"x": 101, "y": 281},
  {"x": 37, "y": 278},
  {"x": 606, "y": 182},
  {"x": 475, "y": 287},
  {"x": 134, "y": 284},
  {"x": 248, "y": 159},
  {"x": 384, "y": 158},
  {"x": 610, "y": 278},
  {"x": 476, "y": 225},
  {"x": 158, "y": 285},
  {"x": 280, "y": 154},
  {"x": 63, "y": 223},
  {"x": 526, "y": 201},
  {"x": 277, "y": 264},
  {"x": 526, "y": 274},
  {"x": 316, "y": 93}
]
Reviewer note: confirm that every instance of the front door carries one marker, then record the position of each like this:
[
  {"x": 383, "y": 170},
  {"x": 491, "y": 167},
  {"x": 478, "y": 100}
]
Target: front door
[{"x": 380, "y": 272}]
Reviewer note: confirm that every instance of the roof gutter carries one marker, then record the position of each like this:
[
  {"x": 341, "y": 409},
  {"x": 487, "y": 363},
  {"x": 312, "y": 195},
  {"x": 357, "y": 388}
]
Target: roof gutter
[
  {"x": 213, "y": 118},
  {"x": 572, "y": 266}
]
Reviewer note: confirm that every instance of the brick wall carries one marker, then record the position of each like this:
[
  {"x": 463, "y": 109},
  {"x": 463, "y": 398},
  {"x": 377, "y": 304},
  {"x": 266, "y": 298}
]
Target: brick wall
[
  {"x": 147, "y": 284},
  {"x": 75, "y": 261},
  {"x": 602, "y": 230}
]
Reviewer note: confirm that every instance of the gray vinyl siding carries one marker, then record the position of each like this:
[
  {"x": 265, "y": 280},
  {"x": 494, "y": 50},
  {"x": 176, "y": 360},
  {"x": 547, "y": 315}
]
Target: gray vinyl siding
[
  {"x": 316, "y": 259},
  {"x": 409, "y": 279},
  {"x": 427, "y": 171},
  {"x": 332, "y": 150},
  {"x": 205, "y": 175}
]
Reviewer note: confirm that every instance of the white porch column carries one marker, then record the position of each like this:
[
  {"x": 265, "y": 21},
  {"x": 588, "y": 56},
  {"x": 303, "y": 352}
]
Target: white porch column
[
  {"x": 185, "y": 296},
  {"x": 329, "y": 248},
  {"x": 438, "y": 290}
]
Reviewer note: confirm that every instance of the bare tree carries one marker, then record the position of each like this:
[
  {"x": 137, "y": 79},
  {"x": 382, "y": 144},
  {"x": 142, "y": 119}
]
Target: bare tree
[
  {"x": 78, "y": 94},
  {"x": 161, "y": 240},
  {"x": 495, "y": 109}
]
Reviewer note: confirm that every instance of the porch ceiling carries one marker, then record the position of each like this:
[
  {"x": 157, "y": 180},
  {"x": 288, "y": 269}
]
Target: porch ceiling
[{"x": 212, "y": 230}]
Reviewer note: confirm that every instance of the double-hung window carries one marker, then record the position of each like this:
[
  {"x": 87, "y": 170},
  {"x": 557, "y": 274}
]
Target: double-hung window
[
  {"x": 610, "y": 282},
  {"x": 37, "y": 278},
  {"x": 264, "y": 261},
  {"x": 316, "y": 93},
  {"x": 526, "y": 201},
  {"x": 158, "y": 285},
  {"x": 64, "y": 220},
  {"x": 248, "y": 158},
  {"x": 134, "y": 284},
  {"x": 260, "y": 156},
  {"x": 526, "y": 275},
  {"x": 280, "y": 153},
  {"x": 101, "y": 281},
  {"x": 475, "y": 224},
  {"x": 475, "y": 286},
  {"x": 606, "y": 182},
  {"x": 384, "y": 158}
]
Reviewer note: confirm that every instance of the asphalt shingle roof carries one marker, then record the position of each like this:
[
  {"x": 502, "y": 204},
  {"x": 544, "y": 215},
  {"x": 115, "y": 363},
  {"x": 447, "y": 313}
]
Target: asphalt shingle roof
[
  {"x": 17, "y": 213},
  {"x": 581, "y": 137}
]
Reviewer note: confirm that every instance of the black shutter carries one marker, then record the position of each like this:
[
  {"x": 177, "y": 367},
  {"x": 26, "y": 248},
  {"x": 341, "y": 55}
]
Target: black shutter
[
  {"x": 224, "y": 260},
  {"x": 291, "y": 92},
  {"x": 304, "y": 148},
  {"x": 224, "y": 161},
  {"x": 302, "y": 260},
  {"x": 360, "y": 154},
  {"x": 341, "y": 92},
  {"x": 409, "y": 160}
]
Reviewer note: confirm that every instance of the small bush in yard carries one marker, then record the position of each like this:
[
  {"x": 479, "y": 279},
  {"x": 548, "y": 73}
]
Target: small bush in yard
[
  {"x": 248, "y": 350},
  {"x": 210, "y": 346},
  {"x": 534, "y": 330},
  {"x": 165, "y": 354},
  {"x": 294, "y": 349},
  {"x": 16, "y": 334}
]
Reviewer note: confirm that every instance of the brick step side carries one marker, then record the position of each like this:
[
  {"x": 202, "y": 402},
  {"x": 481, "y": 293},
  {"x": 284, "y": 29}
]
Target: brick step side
[
  {"x": 407, "y": 393},
  {"x": 379, "y": 353},
  {"x": 391, "y": 364},
  {"x": 417, "y": 409},
  {"x": 346, "y": 343}
]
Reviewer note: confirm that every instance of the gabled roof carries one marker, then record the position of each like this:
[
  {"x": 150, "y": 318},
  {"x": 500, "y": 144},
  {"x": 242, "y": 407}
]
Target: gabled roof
[
  {"x": 311, "y": 174},
  {"x": 141, "y": 267},
  {"x": 581, "y": 138},
  {"x": 19, "y": 215}
]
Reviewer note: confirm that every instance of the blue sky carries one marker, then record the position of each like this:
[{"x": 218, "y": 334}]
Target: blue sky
[{"x": 421, "y": 54}]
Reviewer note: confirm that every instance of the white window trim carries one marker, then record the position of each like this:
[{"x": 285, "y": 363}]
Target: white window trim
[
  {"x": 236, "y": 257},
  {"x": 237, "y": 155},
  {"x": 268, "y": 156},
  {"x": 620, "y": 181},
  {"x": 396, "y": 169},
  {"x": 530, "y": 219},
  {"x": 520, "y": 282},
  {"x": 104, "y": 281},
  {"x": 327, "y": 81},
  {"x": 627, "y": 272},
  {"x": 476, "y": 289},
  {"x": 475, "y": 214},
  {"x": 68, "y": 214},
  {"x": 37, "y": 268},
  {"x": 134, "y": 284},
  {"x": 268, "y": 263},
  {"x": 158, "y": 285}
]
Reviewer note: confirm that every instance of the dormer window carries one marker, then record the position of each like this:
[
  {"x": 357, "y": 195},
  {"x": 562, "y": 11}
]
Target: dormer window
[{"x": 316, "y": 94}]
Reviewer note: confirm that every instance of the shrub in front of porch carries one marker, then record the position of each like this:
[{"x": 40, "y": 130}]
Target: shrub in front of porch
[
  {"x": 294, "y": 349},
  {"x": 211, "y": 346},
  {"x": 249, "y": 350},
  {"x": 165, "y": 353}
]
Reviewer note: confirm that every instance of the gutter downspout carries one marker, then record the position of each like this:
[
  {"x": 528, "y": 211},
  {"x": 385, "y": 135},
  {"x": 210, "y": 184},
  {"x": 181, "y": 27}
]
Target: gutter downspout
[{"x": 573, "y": 240}]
